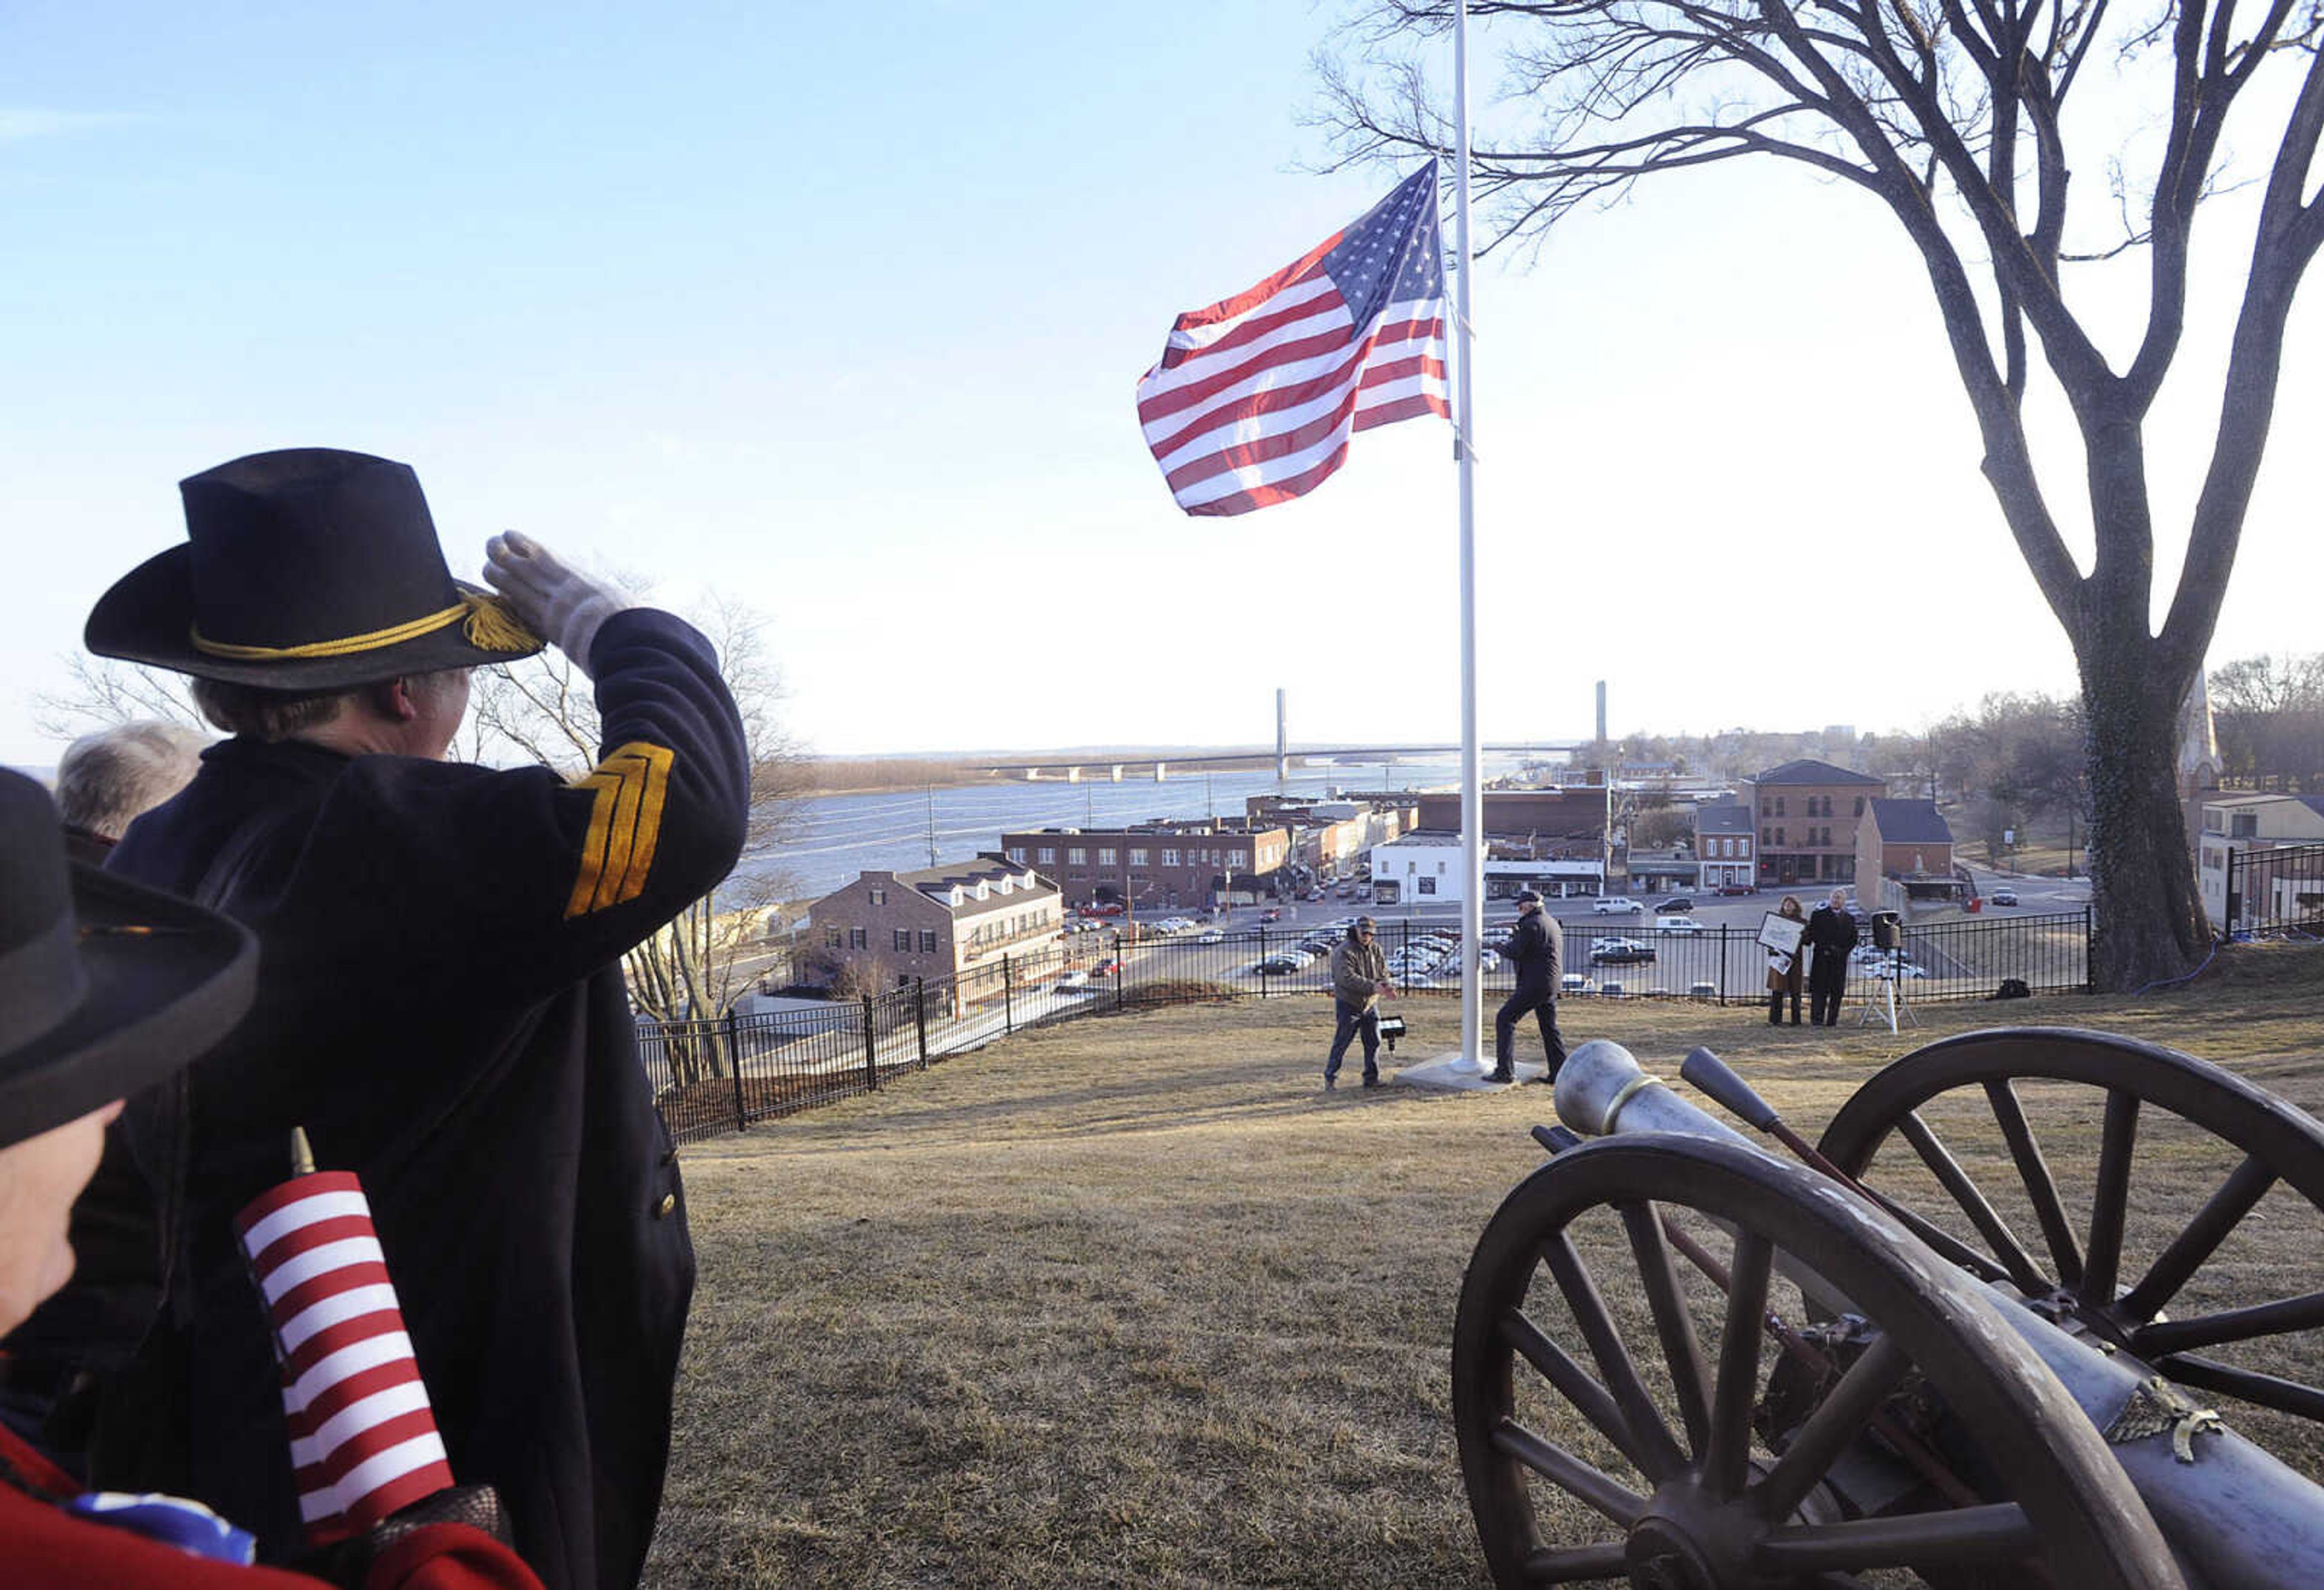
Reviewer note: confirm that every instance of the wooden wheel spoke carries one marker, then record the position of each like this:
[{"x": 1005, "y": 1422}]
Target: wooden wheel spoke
[
  {"x": 1657, "y": 1450},
  {"x": 1683, "y": 1351},
  {"x": 1573, "y": 1382},
  {"x": 1562, "y": 1469},
  {"x": 1576, "y": 1564},
  {"x": 2264, "y": 1391},
  {"x": 2110, "y": 1198},
  {"x": 1989, "y": 1535},
  {"x": 2041, "y": 1187},
  {"x": 2003, "y": 1242},
  {"x": 2188, "y": 1251},
  {"x": 2229, "y": 1324},
  {"x": 1942, "y": 1242},
  {"x": 1830, "y": 1429},
  {"x": 1728, "y": 1449}
]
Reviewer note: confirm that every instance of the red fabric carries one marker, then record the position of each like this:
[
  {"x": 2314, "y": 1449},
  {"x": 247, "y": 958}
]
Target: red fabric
[{"x": 43, "y": 1545}]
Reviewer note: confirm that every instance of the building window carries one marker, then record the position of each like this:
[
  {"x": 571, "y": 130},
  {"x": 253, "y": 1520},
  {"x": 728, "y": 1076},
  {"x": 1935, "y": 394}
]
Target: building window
[
  {"x": 858, "y": 938},
  {"x": 1427, "y": 886},
  {"x": 1105, "y": 855},
  {"x": 2242, "y": 825},
  {"x": 1779, "y": 837},
  {"x": 1238, "y": 858},
  {"x": 1779, "y": 805},
  {"x": 1138, "y": 854},
  {"x": 1047, "y": 854},
  {"x": 1860, "y": 806},
  {"x": 927, "y": 940},
  {"x": 1169, "y": 857},
  {"x": 1766, "y": 807},
  {"x": 1765, "y": 835},
  {"x": 831, "y": 938},
  {"x": 904, "y": 940},
  {"x": 878, "y": 896},
  {"x": 1016, "y": 854},
  {"x": 1077, "y": 856}
]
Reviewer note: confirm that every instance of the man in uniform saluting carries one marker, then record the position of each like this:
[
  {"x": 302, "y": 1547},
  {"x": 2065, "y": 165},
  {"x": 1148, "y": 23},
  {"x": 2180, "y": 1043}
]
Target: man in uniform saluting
[{"x": 439, "y": 1003}]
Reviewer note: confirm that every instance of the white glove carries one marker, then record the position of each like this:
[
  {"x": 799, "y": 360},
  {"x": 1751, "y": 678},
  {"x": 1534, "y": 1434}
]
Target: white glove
[{"x": 558, "y": 604}]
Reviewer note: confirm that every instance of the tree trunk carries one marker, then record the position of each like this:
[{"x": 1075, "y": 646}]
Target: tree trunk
[{"x": 2147, "y": 915}]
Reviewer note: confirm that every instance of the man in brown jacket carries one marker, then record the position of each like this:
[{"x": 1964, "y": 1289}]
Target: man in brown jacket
[{"x": 1358, "y": 979}]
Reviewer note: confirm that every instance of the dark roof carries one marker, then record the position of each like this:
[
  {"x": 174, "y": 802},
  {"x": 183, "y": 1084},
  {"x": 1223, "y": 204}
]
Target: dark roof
[
  {"x": 1722, "y": 817},
  {"x": 1911, "y": 822},
  {"x": 1808, "y": 770}
]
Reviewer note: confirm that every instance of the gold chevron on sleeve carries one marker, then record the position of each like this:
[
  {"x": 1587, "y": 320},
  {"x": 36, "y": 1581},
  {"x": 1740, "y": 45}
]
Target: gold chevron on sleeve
[{"x": 631, "y": 785}]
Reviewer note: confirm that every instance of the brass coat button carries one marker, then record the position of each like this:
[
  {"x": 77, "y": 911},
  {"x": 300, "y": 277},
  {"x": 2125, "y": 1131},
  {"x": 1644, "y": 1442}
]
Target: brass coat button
[{"x": 668, "y": 1202}]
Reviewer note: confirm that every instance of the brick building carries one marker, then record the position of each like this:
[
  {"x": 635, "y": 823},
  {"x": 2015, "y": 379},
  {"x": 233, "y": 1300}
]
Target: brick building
[
  {"x": 1909, "y": 844},
  {"x": 1163, "y": 865},
  {"x": 937, "y": 922},
  {"x": 2286, "y": 889},
  {"x": 1809, "y": 813}
]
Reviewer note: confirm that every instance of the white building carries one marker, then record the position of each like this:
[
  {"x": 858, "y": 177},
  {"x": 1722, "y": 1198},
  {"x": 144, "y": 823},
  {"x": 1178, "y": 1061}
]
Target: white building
[
  {"x": 2247, "y": 827},
  {"x": 1723, "y": 835},
  {"x": 1426, "y": 866}
]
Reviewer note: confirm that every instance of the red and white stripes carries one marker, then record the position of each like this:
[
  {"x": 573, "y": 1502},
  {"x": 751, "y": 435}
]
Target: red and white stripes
[{"x": 363, "y": 1437}]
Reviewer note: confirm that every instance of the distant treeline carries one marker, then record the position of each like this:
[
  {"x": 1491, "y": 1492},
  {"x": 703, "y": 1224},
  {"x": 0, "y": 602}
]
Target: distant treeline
[{"x": 836, "y": 775}]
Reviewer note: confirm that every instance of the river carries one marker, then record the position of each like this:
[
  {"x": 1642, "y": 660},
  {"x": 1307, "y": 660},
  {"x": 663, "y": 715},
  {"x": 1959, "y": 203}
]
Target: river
[{"x": 833, "y": 837}]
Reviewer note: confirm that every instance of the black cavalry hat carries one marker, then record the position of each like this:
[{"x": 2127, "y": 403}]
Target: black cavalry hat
[
  {"x": 304, "y": 570},
  {"x": 106, "y": 986}
]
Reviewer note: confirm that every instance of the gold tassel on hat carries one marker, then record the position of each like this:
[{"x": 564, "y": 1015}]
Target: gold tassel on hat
[{"x": 492, "y": 625}]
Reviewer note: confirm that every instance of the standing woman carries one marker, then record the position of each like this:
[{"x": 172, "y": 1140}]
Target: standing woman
[{"x": 1788, "y": 980}]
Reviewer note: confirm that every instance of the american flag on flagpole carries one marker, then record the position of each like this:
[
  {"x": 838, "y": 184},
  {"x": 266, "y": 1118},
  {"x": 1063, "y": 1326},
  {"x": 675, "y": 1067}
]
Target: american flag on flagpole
[
  {"x": 1255, "y": 398},
  {"x": 364, "y": 1439}
]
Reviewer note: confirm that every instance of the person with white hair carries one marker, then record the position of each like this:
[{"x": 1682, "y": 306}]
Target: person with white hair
[{"x": 108, "y": 779}]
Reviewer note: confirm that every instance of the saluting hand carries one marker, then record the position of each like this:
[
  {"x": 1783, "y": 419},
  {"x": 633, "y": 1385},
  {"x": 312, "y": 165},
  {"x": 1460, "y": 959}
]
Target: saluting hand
[{"x": 562, "y": 605}]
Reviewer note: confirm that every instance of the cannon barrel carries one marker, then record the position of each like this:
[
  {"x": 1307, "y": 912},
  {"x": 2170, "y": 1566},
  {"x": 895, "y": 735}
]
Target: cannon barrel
[{"x": 2235, "y": 1516}]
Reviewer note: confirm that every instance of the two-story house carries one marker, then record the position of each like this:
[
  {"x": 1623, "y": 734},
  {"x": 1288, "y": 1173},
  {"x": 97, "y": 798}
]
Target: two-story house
[
  {"x": 937, "y": 922},
  {"x": 1726, "y": 834}
]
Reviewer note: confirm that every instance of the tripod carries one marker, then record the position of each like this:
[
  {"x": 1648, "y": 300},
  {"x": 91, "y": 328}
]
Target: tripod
[{"x": 1890, "y": 1004}]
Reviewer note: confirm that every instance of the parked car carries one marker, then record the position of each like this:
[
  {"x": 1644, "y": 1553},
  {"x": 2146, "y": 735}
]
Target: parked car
[
  {"x": 1616, "y": 905},
  {"x": 1102, "y": 909},
  {"x": 1277, "y": 965},
  {"x": 1573, "y": 982},
  {"x": 1903, "y": 969},
  {"x": 1072, "y": 981},
  {"x": 1210, "y": 935},
  {"x": 1106, "y": 968},
  {"x": 1677, "y": 905},
  {"x": 1677, "y": 924},
  {"x": 1272, "y": 914},
  {"x": 1621, "y": 950},
  {"x": 2004, "y": 896},
  {"x": 1739, "y": 889},
  {"x": 1344, "y": 891}
]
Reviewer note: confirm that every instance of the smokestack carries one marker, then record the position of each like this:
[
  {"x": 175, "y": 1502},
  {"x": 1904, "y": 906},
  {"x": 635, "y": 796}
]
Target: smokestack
[
  {"x": 1282, "y": 743},
  {"x": 1601, "y": 712}
]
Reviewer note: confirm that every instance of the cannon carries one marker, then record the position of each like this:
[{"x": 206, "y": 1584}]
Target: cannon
[{"x": 1933, "y": 1347}]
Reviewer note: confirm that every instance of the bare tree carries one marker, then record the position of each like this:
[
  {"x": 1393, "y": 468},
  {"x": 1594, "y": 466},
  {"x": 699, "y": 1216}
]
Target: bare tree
[
  {"x": 100, "y": 693},
  {"x": 2269, "y": 714},
  {"x": 1950, "y": 114}
]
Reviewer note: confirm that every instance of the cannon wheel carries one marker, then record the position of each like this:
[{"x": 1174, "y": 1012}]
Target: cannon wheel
[
  {"x": 2078, "y": 1267},
  {"x": 1696, "y": 1504}
]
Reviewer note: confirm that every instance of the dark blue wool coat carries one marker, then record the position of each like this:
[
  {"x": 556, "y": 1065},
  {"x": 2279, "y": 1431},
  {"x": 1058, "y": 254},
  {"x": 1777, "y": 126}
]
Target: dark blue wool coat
[{"x": 439, "y": 1006}]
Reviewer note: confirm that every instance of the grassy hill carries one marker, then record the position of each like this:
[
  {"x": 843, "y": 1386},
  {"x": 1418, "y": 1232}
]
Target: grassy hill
[{"x": 1129, "y": 1301}]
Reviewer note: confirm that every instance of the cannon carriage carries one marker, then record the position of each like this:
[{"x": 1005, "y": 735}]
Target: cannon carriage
[{"x": 2010, "y": 1322}]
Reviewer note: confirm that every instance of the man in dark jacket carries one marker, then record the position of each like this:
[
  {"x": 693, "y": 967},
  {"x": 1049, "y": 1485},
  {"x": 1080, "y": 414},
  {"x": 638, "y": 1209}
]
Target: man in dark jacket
[
  {"x": 1830, "y": 935},
  {"x": 440, "y": 1002},
  {"x": 1537, "y": 948}
]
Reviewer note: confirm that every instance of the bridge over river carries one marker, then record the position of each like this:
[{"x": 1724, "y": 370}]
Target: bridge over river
[{"x": 1114, "y": 766}]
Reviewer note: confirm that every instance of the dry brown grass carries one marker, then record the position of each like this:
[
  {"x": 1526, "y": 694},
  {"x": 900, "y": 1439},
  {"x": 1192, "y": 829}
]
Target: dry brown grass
[{"x": 1129, "y": 1301}]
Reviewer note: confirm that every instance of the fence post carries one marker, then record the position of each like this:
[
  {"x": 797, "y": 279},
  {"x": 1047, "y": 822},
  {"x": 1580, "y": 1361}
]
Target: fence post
[
  {"x": 1117, "y": 970},
  {"x": 2089, "y": 953},
  {"x": 871, "y": 1048},
  {"x": 920, "y": 1017},
  {"x": 734, "y": 1063},
  {"x": 1722, "y": 964},
  {"x": 1008, "y": 998}
]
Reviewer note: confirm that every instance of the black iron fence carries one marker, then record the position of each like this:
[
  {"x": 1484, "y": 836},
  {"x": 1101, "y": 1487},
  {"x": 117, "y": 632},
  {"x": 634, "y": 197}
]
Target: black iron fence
[
  {"x": 723, "y": 1075},
  {"x": 2273, "y": 891}
]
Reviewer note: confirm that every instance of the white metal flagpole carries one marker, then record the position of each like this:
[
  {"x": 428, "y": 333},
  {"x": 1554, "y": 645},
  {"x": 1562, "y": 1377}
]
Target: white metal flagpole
[{"x": 1473, "y": 788}]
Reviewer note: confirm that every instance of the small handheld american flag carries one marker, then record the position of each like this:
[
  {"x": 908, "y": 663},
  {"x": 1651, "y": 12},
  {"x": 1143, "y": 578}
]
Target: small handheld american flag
[{"x": 363, "y": 1437}]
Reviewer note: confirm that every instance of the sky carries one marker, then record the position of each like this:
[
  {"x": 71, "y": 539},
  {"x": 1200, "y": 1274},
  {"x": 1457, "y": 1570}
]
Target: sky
[{"x": 839, "y": 310}]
